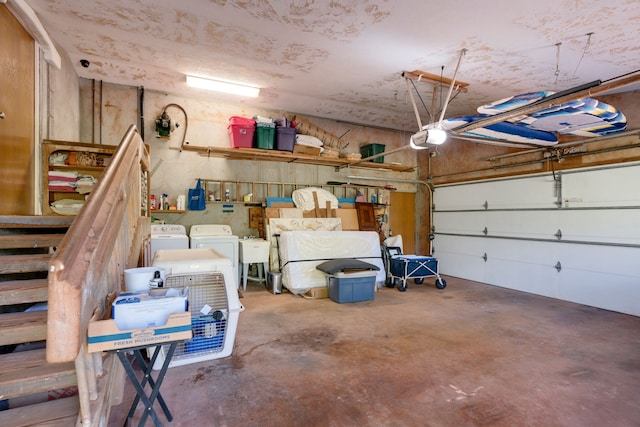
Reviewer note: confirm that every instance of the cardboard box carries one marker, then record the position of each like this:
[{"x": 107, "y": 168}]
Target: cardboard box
[
  {"x": 316, "y": 293},
  {"x": 136, "y": 310},
  {"x": 349, "y": 219},
  {"x": 306, "y": 150},
  {"x": 104, "y": 335}
]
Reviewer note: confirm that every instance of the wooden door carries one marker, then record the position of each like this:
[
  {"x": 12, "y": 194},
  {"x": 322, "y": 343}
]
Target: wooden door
[
  {"x": 402, "y": 219},
  {"x": 17, "y": 128}
]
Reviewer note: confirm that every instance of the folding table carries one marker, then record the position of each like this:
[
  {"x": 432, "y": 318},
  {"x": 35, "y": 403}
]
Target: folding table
[{"x": 139, "y": 384}]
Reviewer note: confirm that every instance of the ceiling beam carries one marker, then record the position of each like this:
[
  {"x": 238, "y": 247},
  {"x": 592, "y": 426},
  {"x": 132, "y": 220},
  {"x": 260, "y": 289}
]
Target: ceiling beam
[{"x": 419, "y": 75}]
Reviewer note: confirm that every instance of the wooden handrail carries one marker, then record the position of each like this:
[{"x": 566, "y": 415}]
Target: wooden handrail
[{"x": 106, "y": 237}]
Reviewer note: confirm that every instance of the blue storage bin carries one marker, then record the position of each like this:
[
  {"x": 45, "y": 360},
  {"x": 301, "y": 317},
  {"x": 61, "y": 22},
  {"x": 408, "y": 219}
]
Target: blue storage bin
[{"x": 354, "y": 287}]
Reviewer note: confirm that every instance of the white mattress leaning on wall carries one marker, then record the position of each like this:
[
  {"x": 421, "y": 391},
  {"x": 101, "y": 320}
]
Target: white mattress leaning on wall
[{"x": 302, "y": 251}]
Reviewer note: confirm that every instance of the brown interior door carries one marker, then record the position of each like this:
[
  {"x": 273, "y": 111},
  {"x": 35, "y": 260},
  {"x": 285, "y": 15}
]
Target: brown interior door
[
  {"x": 17, "y": 106},
  {"x": 402, "y": 219}
]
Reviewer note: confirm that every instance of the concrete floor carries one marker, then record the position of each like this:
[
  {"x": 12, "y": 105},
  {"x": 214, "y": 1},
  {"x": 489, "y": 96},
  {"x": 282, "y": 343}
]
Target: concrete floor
[{"x": 468, "y": 355}]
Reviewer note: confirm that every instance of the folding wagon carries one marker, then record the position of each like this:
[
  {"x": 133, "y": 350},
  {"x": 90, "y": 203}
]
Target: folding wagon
[{"x": 400, "y": 268}]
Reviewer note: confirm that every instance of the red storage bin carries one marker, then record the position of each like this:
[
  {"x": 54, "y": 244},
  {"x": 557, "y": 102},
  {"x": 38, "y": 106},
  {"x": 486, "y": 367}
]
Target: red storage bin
[
  {"x": 237, "y": 120},
  {"x": 241, "y": 131}
]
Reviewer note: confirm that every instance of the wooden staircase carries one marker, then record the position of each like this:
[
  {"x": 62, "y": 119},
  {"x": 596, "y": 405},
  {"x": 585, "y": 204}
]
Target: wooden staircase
[
  {"x": 32, "y": 391},
  {"x": 72, "y": 264}
]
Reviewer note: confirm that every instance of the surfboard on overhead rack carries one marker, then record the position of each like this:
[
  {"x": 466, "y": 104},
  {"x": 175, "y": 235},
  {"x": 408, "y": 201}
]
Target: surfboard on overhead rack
[
  {"x": 512, "y": 102},
  {"x": 581, "y": 117},
  {"x": 503, "y": 132},
  {"x": 586, "y": 117}
]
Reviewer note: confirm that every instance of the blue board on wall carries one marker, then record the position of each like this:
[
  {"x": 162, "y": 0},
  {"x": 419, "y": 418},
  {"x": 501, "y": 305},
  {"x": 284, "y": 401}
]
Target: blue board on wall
[{"x": 585, "y": 117}]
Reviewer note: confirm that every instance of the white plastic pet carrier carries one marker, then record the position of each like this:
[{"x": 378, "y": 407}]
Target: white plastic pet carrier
[{"x": 213, "y": 302}]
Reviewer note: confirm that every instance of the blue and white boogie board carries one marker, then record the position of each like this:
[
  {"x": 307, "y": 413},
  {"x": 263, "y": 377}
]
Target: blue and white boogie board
[
  {"x": 503, "y": 132},
  {"x": 512, "y": 102},
  {"x": 586, "y": 117},
  {"x": 582, "y": 117}
]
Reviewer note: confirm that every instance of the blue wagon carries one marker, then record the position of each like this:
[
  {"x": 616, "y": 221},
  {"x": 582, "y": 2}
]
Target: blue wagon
[{"x": 401, "y": 268}]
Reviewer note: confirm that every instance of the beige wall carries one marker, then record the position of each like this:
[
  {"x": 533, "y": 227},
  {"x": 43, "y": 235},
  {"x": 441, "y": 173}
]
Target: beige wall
[
  {"x": 107, "y": 110},
  {"x": 91, "y": 111},
  {"x": 60, "y": 101},
  {"x": 58, "y": 110}
]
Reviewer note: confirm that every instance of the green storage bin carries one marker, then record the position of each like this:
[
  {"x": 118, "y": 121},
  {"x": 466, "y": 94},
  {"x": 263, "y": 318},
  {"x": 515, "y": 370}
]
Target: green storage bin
[
  {"x": 265, "y": 136},
  {"x": 371, "y": 150}
]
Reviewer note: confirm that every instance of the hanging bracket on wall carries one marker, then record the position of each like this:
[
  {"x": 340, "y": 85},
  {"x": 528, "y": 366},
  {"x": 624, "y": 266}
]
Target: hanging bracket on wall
[
  {"x": 558, "y": 234},
  {"x": 485, "y": 231},
  {"x": 558, "y": 266},
  {"x": 485, "y": 257}
]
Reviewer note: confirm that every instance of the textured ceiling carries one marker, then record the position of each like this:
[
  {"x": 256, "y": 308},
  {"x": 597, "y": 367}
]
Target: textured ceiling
[{"x": 343, "y": 59}]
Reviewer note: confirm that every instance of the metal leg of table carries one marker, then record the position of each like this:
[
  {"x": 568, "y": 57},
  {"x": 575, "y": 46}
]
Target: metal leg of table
[{"x": 139, "y": 385}]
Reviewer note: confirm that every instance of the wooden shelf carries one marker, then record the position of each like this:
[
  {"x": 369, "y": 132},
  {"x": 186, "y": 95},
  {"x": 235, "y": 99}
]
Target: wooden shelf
[
  {"x": 285, "y": 156},
  {"x": 52, "y": 146},
  {"x": 163, "y": 211},
  {"x": 76, "y": 167}
]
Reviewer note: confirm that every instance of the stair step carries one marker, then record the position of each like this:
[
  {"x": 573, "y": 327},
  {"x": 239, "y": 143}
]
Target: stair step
[
  {"x": 55, "y": 413},
  {"x": 23, "y": 291},
  {"x": 22, "y": 327},
  {"x": 24, "y": 240},
  {"x": 27, "y": 381},
  {"x": 24, "y": 263},
  {"x": 27, "y": 372},
  {"x": 35, "y": 221}
]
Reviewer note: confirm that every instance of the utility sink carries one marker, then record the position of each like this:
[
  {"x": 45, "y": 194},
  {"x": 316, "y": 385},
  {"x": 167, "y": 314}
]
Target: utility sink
[{"x": 253, "y": 251}]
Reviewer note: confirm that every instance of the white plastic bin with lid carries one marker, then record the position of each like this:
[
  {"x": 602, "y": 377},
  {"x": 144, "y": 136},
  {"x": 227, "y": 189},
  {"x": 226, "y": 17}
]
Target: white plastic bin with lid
[
  {"x": 139, "y": 279},
  {"x": 213, "y": 302}
]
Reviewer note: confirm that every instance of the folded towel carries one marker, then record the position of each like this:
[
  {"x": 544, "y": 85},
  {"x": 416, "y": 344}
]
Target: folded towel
[{"x": 62, "y": 176}]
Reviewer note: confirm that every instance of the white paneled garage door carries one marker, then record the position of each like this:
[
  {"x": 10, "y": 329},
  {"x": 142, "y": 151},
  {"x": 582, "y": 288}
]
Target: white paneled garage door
[{"x": 574, "y": 235}]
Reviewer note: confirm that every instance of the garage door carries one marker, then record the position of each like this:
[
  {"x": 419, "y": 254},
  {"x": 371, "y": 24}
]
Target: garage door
[{"x": 573, "y": 235}]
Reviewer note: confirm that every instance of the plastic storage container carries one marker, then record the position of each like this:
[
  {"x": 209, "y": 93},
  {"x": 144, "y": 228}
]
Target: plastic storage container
[
  {"x": 371, "y": 150},
  {"x": 351, "y": 287},
  {"x": 265, "y": 136},
  {"x": 139, "y": 279},
  {"x": 285, "y": 138},
  {"x": 241, "y": 132},
  {"x": 283, "y": 122}
]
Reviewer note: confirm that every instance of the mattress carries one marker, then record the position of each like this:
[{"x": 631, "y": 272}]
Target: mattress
[{"x": 302, "y": 251}]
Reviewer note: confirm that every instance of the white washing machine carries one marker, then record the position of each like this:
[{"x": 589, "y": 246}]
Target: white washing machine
[
  {"x": 218, "y": 237},
  {"x": 167, "y": 236}
]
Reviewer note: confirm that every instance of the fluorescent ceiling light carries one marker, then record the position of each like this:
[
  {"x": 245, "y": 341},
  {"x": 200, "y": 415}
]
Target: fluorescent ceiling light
[
  {"x": 226, "y": 87},
  {"x": 427, "y": 138}
]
